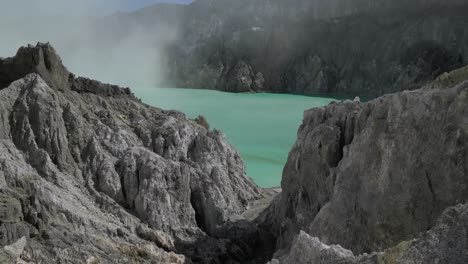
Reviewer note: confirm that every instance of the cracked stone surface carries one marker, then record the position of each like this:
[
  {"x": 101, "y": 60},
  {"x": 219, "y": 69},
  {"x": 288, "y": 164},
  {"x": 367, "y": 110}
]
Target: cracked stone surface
[
  {"x": 446, "y": 242},
  {"x": 89, "y": 173},
  {"x": 367, "y": 176}
]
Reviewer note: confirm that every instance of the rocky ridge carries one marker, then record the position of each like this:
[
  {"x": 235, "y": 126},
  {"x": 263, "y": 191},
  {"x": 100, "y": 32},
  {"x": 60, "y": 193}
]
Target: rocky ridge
[
  {"x": 374, "y": 177},
  {"x": 353, "y": 47},
  {"x": 446, "y": 242},
  {"x": 89, "y": 174}
]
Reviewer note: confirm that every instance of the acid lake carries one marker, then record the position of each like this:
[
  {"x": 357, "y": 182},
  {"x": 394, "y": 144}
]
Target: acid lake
[{"x": 261, "y": 126}]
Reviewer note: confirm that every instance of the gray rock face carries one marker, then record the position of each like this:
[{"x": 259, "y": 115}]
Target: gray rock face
[
  {"x": 354, "y": 47},
  {"x": 41, "y": 59},
  {"x": 17, "y": 248},
  {"x": 241, "y": 78},
  {"x": 351, "y": 47},
  {"x": 446, "y": 242},
  {"x": 11, "y": 218},
  {"x": 88, "y": 173},
  {"x": 307, "y": 249},
  {"x": 367, "y": 176}
]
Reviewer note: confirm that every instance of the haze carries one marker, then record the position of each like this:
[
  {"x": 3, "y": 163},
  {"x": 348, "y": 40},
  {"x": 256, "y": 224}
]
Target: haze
[{"x": 92, "y": 40}]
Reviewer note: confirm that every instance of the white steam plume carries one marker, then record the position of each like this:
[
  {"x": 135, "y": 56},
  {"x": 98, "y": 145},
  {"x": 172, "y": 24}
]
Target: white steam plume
[{"x": 111, "y": 49}]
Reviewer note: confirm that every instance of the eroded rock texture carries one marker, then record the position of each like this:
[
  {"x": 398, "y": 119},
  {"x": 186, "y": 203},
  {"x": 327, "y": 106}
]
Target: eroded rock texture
[
  {"x": 90, "y": 174},
  {"x": 367, "y": 176},
  {"x": 446, "y": 242}
]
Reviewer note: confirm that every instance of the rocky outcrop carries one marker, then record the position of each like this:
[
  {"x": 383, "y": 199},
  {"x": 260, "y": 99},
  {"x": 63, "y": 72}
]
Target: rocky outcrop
[
  {"x": 446, "y": 242},
  {"x": 41, "y": 59},
  {"x": 90, "y": 174},
  {"x": 369, "y": 176},
  {"x": 44, "y": 60},
  {"x": 242, "y": 78}
]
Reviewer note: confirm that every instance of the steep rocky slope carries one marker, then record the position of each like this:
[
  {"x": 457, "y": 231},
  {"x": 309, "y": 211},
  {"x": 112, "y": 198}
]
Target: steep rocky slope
[
  {"x": 89, "y": 174},
  {"x": 358, "y": 47},
  {"x": 371, "y": 177},
  {"x": 445, "y": 243}
]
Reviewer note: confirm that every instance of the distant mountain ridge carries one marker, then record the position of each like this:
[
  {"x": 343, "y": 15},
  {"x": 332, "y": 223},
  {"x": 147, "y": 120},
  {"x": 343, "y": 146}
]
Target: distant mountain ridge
[{"x": 355, "y": 47}]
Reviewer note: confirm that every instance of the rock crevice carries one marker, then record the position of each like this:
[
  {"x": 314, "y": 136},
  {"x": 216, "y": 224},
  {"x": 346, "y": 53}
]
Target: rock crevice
[
  {"x": 84, "y": 159},
  {"x": 89, "y": 173},
  {"x": 368, "y": 176}
]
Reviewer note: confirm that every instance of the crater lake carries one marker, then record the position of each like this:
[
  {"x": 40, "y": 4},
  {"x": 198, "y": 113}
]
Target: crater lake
[{"x": 261, "y": 126}]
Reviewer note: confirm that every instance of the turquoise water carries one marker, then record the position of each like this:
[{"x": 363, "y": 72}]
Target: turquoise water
[{"x": 262, "y": 127}]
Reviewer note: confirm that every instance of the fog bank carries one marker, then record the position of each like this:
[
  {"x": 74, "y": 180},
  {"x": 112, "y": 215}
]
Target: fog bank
[{"x": 111, "y": 48}]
